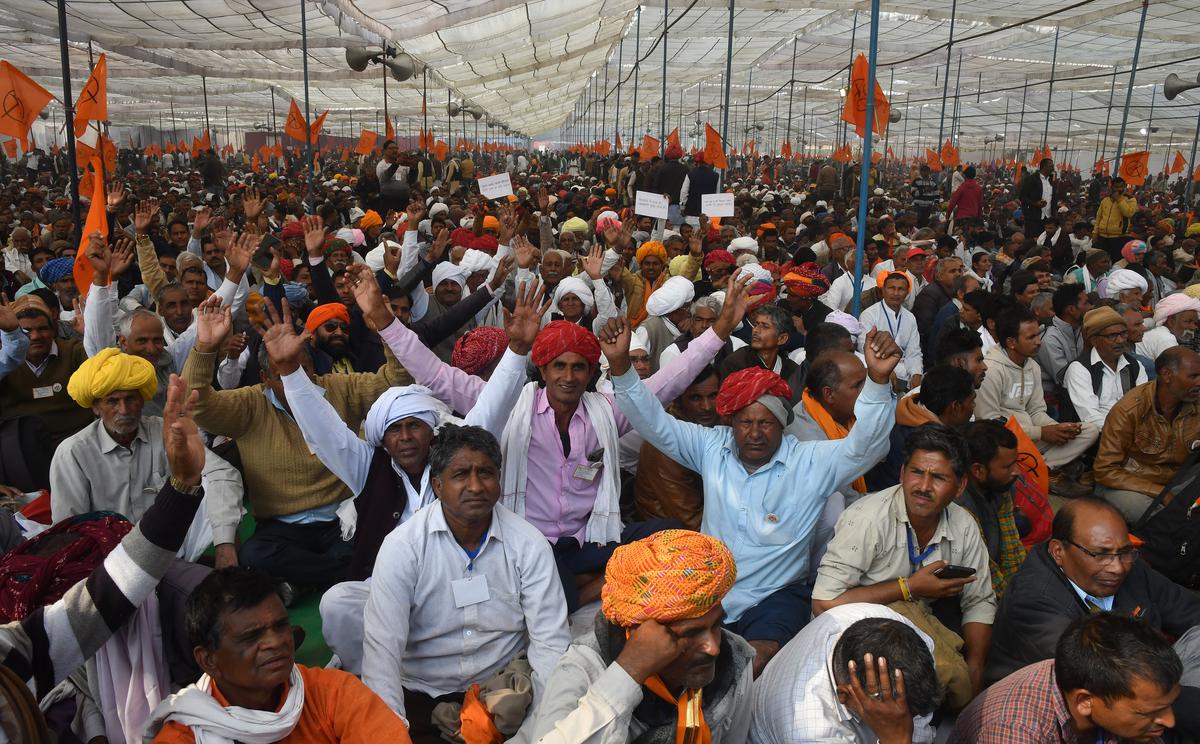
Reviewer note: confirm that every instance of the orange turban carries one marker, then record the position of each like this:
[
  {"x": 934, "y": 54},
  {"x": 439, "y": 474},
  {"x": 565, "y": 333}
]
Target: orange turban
[
  {"x": 651, "y": 248},
  {"x": 369, "y": 220},
  {"x": 491, "y": 223},
  {"x": 883, "y": 276},
  {"x": 561, "y": 336},
  {"x": 322, "y": 314},
  {"x": 671, "y": 575}
]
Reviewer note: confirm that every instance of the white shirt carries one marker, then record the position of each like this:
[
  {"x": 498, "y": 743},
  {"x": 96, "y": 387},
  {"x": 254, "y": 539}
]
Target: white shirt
[
  {"x": 400, "y": 175},
  {"x": 1047, "y": 194},
  {"x": 796, "y": 700},
  {"x": 903, "y": 328},
  {"x": 1156, "y": 341},
  {"x": 1091, "y": 407},
  {"x": 417, "y": 636},
  {"x": 841, "y": 291}
]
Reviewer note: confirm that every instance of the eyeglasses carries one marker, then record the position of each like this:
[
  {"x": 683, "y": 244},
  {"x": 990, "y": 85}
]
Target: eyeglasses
[
  {"x": 1114, "y": 335},
  {"x": 1124, "y": 556}
]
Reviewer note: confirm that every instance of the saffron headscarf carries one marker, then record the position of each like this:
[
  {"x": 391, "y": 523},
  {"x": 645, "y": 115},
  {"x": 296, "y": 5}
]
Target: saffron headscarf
[
  {"x": 322, "y": 314},
  {"x": 560, "y": 337},
  {"x": 369, "y": 220},
  {"x": 111, "y": 370},
  {"x": 651, "y": 248},
  {"x": 478, "y": 348},
  {"x": 749, "y": 385}
]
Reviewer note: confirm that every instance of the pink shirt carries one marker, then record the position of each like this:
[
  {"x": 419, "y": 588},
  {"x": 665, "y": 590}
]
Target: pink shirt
[{"x": 556, "y": 502}]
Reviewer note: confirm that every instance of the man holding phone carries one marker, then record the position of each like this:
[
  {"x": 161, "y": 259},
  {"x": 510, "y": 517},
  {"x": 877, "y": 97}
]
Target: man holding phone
[{"x": 912, "y": 548}]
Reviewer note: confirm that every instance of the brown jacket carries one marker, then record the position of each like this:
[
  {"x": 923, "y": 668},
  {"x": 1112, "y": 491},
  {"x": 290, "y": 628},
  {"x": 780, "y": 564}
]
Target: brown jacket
[
  {"x": 1139, "y": 449},
  {"x": 665, "y": 489}
]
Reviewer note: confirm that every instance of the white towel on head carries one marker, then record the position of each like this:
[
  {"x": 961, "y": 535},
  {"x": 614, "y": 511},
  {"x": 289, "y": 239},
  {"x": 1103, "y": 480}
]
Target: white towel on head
[
  {"x": 672, "y": 295},
  {"x": 574, "y": 286},
  {"x": 448, "y": 271},
  {"x": 1122, "y": 279}
]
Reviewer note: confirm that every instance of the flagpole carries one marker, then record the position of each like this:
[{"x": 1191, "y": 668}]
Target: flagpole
[
  {"x": 666, "y": 17},
  {"x": 68, "y": 102},
  {"x": 1112, "y": 91},
  {"x": 637, "y": 68},
  {"x": 1187, "y": 199},
  {"x": 946, "y": 79},
  {"x": 308, "y": 151},
  {"x": 791, "y": 94},
  {"x": 424, "y": 111},
  {"x": 204, "y": 87},
  {"x": 728, "y": 76},
  {"x": 1050, "y": 93},
  {"x": 1137, "y": 50},
  {"x": 865, "y": 170}
]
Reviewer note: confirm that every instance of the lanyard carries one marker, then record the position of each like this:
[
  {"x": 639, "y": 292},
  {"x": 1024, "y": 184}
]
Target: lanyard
[
  {"x": 472, "y": 553},
  {"x": 915, "y": 558},
  {"x": 888, "y": 317}
]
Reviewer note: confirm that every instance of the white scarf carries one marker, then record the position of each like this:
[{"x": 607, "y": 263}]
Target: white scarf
[
  {"x": 604, "y": 524},
  {"x": 1053, "y": 241},
  {"x": 212, "y": 723}
]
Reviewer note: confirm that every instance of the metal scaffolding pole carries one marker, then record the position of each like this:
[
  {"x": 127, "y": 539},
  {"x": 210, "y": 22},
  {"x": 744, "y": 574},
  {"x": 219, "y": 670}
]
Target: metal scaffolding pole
[
  {"x": 1108, "y": 113},
  {"x": 666, "y": 17},
  {"x": 68, "y": 101},
  {"x": 1137, "y": 50},
  {"x": 791, "y": 94},
  {"x": 637, "y": 68},
  {"x": 865, "y": 170},
  {"x": 728, "y": 74},
  {"x": 1050, "y": 93},
  {"x": 946, "y": 79},
  {"x": 308, "y": 150}
]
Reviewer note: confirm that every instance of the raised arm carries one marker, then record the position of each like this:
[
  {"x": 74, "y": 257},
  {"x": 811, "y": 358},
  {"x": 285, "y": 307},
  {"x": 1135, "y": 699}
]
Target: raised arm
[
  {"x": 225, "y": 412},
  {"x": 152, "y": 274}
]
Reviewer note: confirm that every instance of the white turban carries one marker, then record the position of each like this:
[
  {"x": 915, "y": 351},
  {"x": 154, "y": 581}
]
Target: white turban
[
  {"x": 409, "y": 401},
  {"x": 1173, "y": 304},
  {"x": 672, "y": 295},
  {"x": 375, "y": 256},
  {"x": 744, "y": 243},
  {"x": 447, "y": 270},
  {"x": 1123, "y": 279},
  {"x": 610, "y": 260},
  {"x": 639, "y": 340},
  {"x": 576, "y": 286},
  {"x": 756, "y": 270},
  {"x": 437, "y": 209},
  {"x": 474, "y": 261}
]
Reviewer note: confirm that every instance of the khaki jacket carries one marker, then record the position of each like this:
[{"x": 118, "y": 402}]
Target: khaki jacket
[{"x": 1139, "y": 449}]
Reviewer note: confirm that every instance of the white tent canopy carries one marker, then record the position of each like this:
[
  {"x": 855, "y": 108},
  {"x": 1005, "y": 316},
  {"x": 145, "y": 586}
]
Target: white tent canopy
[{"x": 528, "y": 65}]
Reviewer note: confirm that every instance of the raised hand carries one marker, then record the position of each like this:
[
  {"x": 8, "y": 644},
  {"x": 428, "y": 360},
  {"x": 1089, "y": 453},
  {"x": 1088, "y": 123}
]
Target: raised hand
[
  {"x": 114, "y": 196},
  {"x": 525, "y": 320},
  {"x": 213, "y": 324},
  {"x": 737, "y": 301},
  {"x": 416, "y": 212},
  {"x": 524, "y": 252},
  {"x": 543, "y": 201},
  {"x": 883, "y": 354},
  {"x": 368, "y": 297},
  {"x": 143, "y": 217},
  {"x": 614, "y": 340},
  {"x": 122, "y": 255},
  {"x": 594, "y": 262},
  {"x": 236, "y": 345},
  {"x": 391, "y": 257},
  {"x": 285, "y": 347},
  {"x": 200, "y": 222},
  {"x": 8, "y": 319},
  {"x": 77, "y": 323},
  {"x": 503, "y": 267},
  {"x": 696, "y": 243},
  {"x": 99, "y": 255},
  {"x": 314, "y": 235},
  {"x": 883, "y": 705},
  {"x": 438, "y": 249},
  {"x": 181, "y": 436},
  {"x": 252, "y": 205},
  {"x": 239, "y": 253}
]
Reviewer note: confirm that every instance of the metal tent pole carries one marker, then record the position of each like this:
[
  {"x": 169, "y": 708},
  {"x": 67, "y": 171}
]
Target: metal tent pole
[
  {"x": 865, "y": 170},
  {"x": 1137, "y": 50},
  {"x": 946, "y": 79},
  {"x": 1108, "y": 112},
  {"x": 849, "y": 73},
  {"x": 617, "y": 110},
  {"x": 1021, "y": 125},
  {"x": 791, "y": 94},
  {"x": 204, "y": 87},
  {"x": 637, "y": 68},
  {"x": 728, "y": 75},
  {"x": 1150, "y": 121},
  {"x": 1187, "y": 199},
  {"x": 68, "y": 101},
  {"x": 666, "y": 17},
  {"x": 1050, "y": 93},
  {"x": 308, "y": 150}
]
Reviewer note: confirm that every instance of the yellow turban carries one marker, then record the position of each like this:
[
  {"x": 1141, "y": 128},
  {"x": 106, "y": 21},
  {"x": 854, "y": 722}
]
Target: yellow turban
[
  {"x": 671, "y": 575},
  {"x": 111, "y": 370},
  {"x": 677, "y": 266},
  {"x": 652, "y": 248}
]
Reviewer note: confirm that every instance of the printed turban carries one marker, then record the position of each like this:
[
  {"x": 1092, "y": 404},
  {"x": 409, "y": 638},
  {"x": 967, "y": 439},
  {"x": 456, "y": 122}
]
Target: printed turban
[
  {"x": 1173, "y": 304},
  {"x": 54, "y": 270},
  {"x": 478, "y": 348},
  {"x": 718, "y": 258},
  {"x": 1123, "y": 279},
  {"x": 1133, "y": 249},
  {"x": 291, "y": 230},
  {"x": 806, "y": 280},
  {"x": 111, "y": 370},
  {"x": 369, "y": 220},
  {"x": 562, "y": 336},
  {"x": 651, "y": 248},
  {"x": 672, "y": 295},
  {"x": 749, "y": 385},
  {"x": 409, "y": 401},
  {"x": 671, "y": 575},
  {"x": 322, "y": 314},
  {"x": 573, "y": 285}
]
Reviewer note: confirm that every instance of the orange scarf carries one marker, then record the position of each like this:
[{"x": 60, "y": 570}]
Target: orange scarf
[
  {"x": 691, "y": 727},
  {"x": 832, "y": 429},
  {"x": 648, "y": 288}
]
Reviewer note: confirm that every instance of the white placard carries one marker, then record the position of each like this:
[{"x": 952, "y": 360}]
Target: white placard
[
  {"x": 498, "y": 186},
  {"x": 717, "y": 205},
  {"x": 649, "y": 204}
]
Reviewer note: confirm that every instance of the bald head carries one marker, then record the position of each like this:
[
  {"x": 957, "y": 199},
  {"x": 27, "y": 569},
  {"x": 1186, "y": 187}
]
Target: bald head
[
  {"x": 1080, "y": 515},
  {"x": 1090, "y": 543}
]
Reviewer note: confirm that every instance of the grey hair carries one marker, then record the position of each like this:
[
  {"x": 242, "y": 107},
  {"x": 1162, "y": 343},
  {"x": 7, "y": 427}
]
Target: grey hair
[
  {"x": 125, "y": 325},
  {"x": 1125, "y": 307},
  {"x": 707, "y": 302},
  {"x": 173, "y": 286},
  {"x": 1041, "y": 300}
]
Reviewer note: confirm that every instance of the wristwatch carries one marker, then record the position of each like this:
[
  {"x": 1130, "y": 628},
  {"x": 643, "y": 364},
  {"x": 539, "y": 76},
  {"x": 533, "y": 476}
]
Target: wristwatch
[{"x": 184, "y": 488}]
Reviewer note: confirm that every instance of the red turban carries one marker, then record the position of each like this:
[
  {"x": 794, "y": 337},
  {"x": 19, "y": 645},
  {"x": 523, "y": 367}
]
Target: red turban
[
  {"x": 561, "y": 336},
  {"x": 761, "y": 293},
  {"x": 716, "y": 257},
  {"x": 322, "y": 314},
  {"x": 286, "y": 267},
  {"x": 746, "y": 386},
  {"x": 291, "y": 230},
  {"x": 674, "y": 152},
  {"x": 478, "y": 348},
  {"x": 468, "y": 239},
  {"x": 806, "y": 280},
  {"x": 462, "y": 236}
]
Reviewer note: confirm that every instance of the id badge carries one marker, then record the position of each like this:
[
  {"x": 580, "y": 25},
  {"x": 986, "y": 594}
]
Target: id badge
[{"x": 470, "y": 591}]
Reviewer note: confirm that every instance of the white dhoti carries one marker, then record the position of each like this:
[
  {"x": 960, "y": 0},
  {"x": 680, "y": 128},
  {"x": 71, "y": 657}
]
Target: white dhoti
[{"x": 342, "y": 609}]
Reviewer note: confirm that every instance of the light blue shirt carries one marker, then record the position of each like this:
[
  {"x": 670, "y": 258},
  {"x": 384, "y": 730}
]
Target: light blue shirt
[
  {"x": 13, "y": 345},
  {"x": 765, "y": 518},
  {"x": 1104, "y": 603}
]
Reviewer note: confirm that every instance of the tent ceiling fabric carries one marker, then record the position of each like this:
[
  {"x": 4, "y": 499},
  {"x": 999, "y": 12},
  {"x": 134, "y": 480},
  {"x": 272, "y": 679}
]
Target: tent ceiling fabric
[{"x": 529, "y": 63}]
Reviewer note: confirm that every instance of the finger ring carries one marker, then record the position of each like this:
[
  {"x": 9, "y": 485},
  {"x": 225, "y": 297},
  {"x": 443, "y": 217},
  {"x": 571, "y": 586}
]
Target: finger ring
[{"x": 876, "y": 695}]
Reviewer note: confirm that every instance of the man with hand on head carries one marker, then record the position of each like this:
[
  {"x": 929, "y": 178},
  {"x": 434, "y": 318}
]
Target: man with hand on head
[
  {"x": 750, "y": 469},
  {"x": 657, "y": 666}
]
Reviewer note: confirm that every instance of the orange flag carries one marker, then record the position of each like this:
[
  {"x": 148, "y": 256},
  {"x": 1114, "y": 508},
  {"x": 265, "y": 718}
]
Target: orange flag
[
  {"x": 785, "y": 151},
  {"x": 618, "y": 145},
  {"x": 649, "y": 147},
  {"x": 1135, "y": 166},
  {"x": 440, "y": 150},
  {"x": 1101, "y": 166},
  {"x": 673, "y": 138},
  {"x": 949, "y": 154},
  {"x": 876, "y": 156},
  {"x": 1196, "y": 174},
  {"x": 93, "y": 99},
  {"x": 932, "y": 159},
  {"x": 1180, "y": 165},
  {"x": 714, "y": 151},
  {"x": 855, "y": 109},
  {"x": 97, "y": 221},
  {"x": 366, "y": 142},
  {"x": 315, "y": 130},
  {"x": 390, "y": 132},
  {"x": 10, "y": 148},
  {"x": 296, "y": 127},
  {"x": 22, "y": 100}
]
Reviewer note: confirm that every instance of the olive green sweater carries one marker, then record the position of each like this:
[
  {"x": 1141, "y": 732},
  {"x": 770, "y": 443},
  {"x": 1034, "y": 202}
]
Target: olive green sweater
[{"x": 22, "y": 393}]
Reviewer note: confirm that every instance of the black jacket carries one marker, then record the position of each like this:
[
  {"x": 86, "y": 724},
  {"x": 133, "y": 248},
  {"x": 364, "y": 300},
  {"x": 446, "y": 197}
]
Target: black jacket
[
  {"x": 1040, "y": 603},
  {"x": 932, "y": 298}
]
